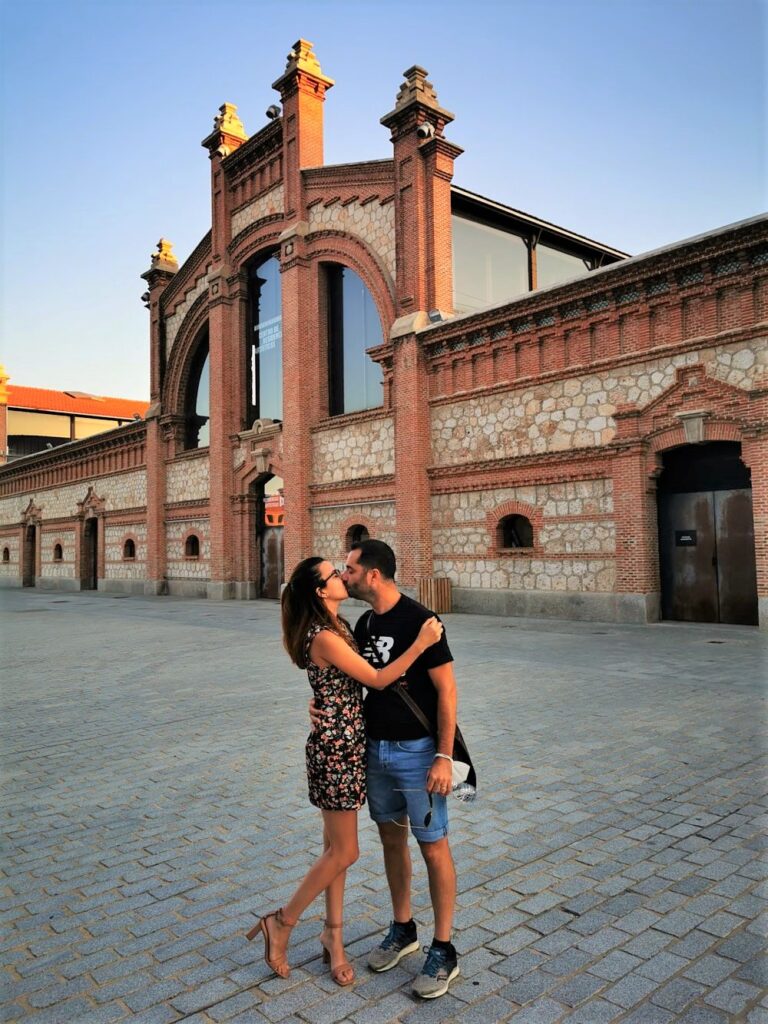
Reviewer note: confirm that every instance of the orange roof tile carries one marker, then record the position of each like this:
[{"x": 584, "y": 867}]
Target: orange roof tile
[{"x": 44, "y": 400}]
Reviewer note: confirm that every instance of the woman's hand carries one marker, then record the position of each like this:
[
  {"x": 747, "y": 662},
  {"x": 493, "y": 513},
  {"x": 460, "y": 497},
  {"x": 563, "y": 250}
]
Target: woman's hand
[{"x": 430, "y": 632}]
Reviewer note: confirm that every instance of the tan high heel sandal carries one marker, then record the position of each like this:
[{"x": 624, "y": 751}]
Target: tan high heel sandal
[
  {"x": 338, "y": 972},
  {"x": 280, "y": 967}
]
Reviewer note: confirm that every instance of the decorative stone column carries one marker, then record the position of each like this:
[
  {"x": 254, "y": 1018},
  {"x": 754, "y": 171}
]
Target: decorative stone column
[
  {"x": 637, "y": 555},
  {"x": 302, "y": 89},
  {"x": 226, "y": 355},
  {"x": 164, "y": 266}
]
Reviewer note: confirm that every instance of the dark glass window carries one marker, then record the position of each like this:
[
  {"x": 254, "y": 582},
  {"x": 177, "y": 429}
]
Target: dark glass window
[
  {"x": 129, "y": 549},
  {"x": 192, "y": 546},
  {"x": 353, "y": 327},
  {"x": 197, "y": 406},
  {"x": 489, "y": 265},
  {"x": 265, "y": 341},
  {"x": 6, "y": 555},
  {"x": 515, "y": 532},
  {"x": 58, "y": 554},
  {"x": 554, "y": 266}
]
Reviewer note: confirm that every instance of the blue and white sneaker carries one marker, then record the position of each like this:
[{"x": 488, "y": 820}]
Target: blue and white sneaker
[
  {"x": 400, "y": 940},
  {"x": 439, "y": 970}
]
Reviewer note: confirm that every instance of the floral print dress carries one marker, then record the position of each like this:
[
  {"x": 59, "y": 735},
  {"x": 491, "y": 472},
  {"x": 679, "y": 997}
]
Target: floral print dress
[{"x": 336, "y": 758}]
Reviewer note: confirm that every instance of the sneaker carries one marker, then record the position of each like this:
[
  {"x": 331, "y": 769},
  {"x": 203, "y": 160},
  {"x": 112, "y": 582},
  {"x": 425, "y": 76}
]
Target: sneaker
[
  {"x": 439, "y": 970},
  {"x": 399, "y": 941}
]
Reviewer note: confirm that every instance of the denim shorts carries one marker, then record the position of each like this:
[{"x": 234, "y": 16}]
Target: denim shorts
[{"x": 397, "y": 786}]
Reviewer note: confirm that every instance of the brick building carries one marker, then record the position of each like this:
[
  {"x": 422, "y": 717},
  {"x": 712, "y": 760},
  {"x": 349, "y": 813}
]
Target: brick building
[{"x": 554, "y": 427}]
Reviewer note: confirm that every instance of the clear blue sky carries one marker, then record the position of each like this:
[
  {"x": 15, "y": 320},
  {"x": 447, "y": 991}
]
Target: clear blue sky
[{"x": 635, "y": 122}]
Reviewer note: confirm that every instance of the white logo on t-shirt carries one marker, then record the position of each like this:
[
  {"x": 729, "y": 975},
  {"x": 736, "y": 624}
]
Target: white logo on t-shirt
[{"x": 384, "y": 645}]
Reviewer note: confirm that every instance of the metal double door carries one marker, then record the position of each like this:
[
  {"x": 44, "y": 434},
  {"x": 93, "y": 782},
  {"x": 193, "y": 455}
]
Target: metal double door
[{"x": 707, "y": 552}]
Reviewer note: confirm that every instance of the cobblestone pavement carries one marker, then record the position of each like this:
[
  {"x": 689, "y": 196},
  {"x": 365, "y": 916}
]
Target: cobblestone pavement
[{"x": 153, "y": 754}]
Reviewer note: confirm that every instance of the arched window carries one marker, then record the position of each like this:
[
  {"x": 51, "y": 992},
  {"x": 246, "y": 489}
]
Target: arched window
[
  {"x": 192, "y": 546},
  {"x": 356, "y": 534},
  {"x": 58, "y": 554},
  {"x": 197, "y": 403},
  {"x": 515, "y": 532},
  {"x": 355, "y": 381},
  {"x": 6, "y": 555},
  {"x": 265, "y": 341},
  {"x": 129, "y": 549}
]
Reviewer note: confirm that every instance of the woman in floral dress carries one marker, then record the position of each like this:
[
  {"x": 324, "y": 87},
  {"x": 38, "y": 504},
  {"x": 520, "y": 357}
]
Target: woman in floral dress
[{"x": 318, "y": 639}]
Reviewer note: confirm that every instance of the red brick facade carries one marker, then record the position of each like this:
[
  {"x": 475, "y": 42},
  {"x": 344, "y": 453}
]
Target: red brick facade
[{"x": 557, "y": 406}]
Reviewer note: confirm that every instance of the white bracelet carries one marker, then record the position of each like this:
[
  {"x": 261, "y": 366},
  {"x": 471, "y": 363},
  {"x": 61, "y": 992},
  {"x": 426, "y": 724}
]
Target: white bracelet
[{"x": 446, "y": 756}]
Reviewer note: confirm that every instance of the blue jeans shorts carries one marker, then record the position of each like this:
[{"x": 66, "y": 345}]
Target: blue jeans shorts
[{"x": 397, "y": 786}]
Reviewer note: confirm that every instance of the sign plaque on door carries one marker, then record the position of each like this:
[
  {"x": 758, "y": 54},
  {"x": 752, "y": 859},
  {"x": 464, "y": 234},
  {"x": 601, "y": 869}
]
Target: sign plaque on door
[{"x": 685, "y": 538}]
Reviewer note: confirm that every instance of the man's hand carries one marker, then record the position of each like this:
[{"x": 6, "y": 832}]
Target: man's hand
[
  {"x": 440, "y": 777},
  {"x": 316, "y": 715}
]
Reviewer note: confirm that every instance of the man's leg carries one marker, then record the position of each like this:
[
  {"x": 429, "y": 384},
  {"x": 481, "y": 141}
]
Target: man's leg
[
  {"x": 398, "y": 867},
  {"x": 442, "y": 885}
]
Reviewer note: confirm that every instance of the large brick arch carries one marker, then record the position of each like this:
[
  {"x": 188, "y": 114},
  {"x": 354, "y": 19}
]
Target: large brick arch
[
  {"x": 182, "y": 355},
  {"x": 344, "y": 248},
  {"x": 346, "y": 525},
  {"x": 264, "y": 235}
]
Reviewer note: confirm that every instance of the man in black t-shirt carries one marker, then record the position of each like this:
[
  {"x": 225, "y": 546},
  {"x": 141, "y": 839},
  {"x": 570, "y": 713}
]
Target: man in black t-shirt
[{"x": 409, "y": 770}]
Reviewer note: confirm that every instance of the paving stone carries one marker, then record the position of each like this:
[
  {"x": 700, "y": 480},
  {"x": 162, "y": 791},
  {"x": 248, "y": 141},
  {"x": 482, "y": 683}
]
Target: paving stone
[
  {"x": 732, "y": 996},
  {"x": 596, "y": 1011},
  {"x": 648, "y": 1014},
  {"x": 578, "y": 989},
  {"x": 710, "y": 970},
  {"x": 529, "y": 987},
  {"x": 677, "y": 994},
  {"x": 630, "y": 990},
  {"x": 662, "y": 966},
  {"x": 543, "y": 1011},
  {"x": 703, "y": 1015}
]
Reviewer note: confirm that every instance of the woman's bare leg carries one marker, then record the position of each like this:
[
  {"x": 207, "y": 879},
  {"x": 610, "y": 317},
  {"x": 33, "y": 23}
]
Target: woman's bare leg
[{"x": 341, "y": 851}]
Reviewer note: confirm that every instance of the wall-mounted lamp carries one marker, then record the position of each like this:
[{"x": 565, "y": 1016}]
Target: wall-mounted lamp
[
  {"x": 273, "y": 112},
  {"x": 145, "y": 299},
  {"x": 425, "y": 130},
  {"x": 435, "y": 316}
]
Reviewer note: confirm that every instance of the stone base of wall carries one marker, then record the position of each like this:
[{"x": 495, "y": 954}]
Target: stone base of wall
[
  {"x": 245, "y": 590},
  {"x": 10, "y": 581},
  {"x": 186, "y": 588},
  {"x": 220, "y": 590},
  {"x": 59, "y": 583},
  {"x": 762, "y": 612},
  {"x": 550, "y": 605},
  {"x": 133, "y": 587}
]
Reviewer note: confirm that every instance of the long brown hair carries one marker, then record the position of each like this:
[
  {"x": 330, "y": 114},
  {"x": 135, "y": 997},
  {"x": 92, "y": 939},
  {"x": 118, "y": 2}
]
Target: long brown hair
[{"x": 303, "y": 608}]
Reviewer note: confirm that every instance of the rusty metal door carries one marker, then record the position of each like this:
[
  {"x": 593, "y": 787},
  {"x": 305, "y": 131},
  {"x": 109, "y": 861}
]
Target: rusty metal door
[
  {"x": 30, "y": 557},
  {"x": 271, "y": 561},
  {"x": 707, "y": 553},
  {"x": 736, "y": 568}
]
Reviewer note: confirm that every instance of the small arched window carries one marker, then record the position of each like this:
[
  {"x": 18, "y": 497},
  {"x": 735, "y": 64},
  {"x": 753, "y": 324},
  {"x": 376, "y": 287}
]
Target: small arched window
[
  {"x": 58, "y": 553},
  {"x": 192, "y": 546},
  {"x": 6, "y": 554},
  {"x": 197, "y": 401},
  {"x": 515, "y": 531},
  {"x": 129, "y": 550},
  {"x": 356, "y": 534}
]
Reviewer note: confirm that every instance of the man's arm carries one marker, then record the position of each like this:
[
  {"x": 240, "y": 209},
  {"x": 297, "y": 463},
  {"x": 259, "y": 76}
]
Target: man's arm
[{"x": 444, "y": 681}]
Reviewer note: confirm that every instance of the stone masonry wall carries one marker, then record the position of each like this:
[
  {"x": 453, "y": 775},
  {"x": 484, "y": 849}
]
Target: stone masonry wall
[
  {"x": 373, "y": 223},
  {"x": 354, "y": 451},
  {"x": 119, "y": 491},
  {"x": 188, "y": 479},
  {"x": 329, "y": 526},
  {"x": 576, "y": 412},
  {"x": 573, "y": 548},
  {"x": 115, "y": 566},
  {"x": 174, "y": 320},
  {"x": 64, "y": 569},
  {"x": 270, "y": 203},
  {"x": 13, "y": 566},
  {"x": 179, "y": 566}
]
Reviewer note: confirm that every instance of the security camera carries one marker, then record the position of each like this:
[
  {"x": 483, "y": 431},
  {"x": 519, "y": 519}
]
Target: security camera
[
  {"x": 425, "y": 130},
  {"x": 273, "y": 111}
]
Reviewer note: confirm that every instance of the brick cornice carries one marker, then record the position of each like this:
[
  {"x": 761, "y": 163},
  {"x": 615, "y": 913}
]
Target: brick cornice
[
  {"x": 350, "y": 419},
  {"x": 191, "y": 267},
  {"x": 259, "y": 147},
  {"x": 549, "y": 467}
]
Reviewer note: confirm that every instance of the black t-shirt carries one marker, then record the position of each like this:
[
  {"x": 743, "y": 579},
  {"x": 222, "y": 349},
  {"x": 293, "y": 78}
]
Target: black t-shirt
[{"x": 387, "y": 716}]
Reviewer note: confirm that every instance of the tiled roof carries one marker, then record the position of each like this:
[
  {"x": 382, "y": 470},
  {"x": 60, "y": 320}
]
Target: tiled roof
[{"x": 76, "y": 402}]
